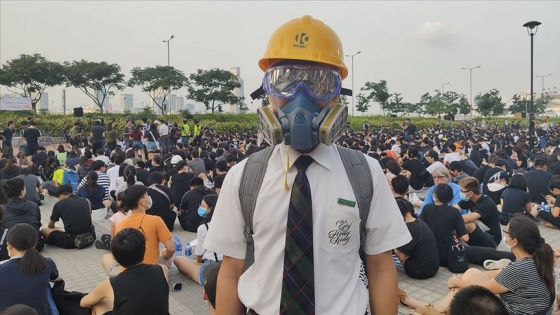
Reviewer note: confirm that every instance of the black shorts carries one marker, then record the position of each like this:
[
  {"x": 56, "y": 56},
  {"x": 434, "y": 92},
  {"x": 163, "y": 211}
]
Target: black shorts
[{"x": 61, "y": 239}]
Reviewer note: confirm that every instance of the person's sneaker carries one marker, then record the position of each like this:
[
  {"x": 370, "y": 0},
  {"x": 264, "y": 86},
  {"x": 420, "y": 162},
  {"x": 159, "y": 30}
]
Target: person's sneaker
[
  {"x": 496, "y": 264},
  {"x": 101, "y": 245}
]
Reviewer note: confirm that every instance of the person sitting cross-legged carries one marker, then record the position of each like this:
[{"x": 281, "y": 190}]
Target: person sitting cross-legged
[
  {"x": 139, "y": 289},
  {"x": 153, "y": 228},
  {"x": 195, "y": 268},
  {"x": 76, "y": 216},
  {"x": 525, "y": 286}
]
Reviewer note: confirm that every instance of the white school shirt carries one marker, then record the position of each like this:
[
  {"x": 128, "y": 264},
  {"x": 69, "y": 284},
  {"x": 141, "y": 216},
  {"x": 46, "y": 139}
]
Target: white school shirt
[
  {"x": 336, "y": 229},
  {"x": 163, "y": 130}
]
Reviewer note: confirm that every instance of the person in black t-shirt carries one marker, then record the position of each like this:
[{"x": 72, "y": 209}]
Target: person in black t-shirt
[
  {"x": 76, "y": 216},
  {"x": 538, "y": 180},
  {"x": 221, "y": 171},
  {"x": 96, "y": 136},
  {"x": 180, "y": 182},
  {"x": 515, "y": 199},
  {"x": 162, "y": 202},
  {"x": 445, "y": 222},
  {"x": 483, "y": 221},
  {"x": 31, "y": 135},
  {"x": 142, "y": 173},
  {"x": 139, "y": 289},
  {"x": 417, "y": 170},
  {"x": 553, "y": 216},
  {"x": 420, "y": 256}
]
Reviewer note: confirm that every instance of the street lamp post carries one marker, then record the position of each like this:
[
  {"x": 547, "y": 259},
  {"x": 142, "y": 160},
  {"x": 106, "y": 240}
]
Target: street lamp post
[
  {"x": 443, "y": 88},
  {"x": 352, "y": 69},
  {"x": 542, "y": 77},
  {"x": 532, "y": 28},
  {"x": 167, "y": 41},
  {"x": 470, "y": 88}
]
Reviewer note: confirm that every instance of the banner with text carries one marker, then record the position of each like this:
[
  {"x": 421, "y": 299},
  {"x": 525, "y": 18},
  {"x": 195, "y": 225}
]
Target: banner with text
[{"x": 15, "y": 103}]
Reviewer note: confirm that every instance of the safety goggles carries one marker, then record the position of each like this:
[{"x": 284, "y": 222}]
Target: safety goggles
[{"x": 285, "y": 81}]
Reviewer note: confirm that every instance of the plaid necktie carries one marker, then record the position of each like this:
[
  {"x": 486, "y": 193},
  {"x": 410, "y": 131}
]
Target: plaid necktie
[{"x": 298, "y": 295}]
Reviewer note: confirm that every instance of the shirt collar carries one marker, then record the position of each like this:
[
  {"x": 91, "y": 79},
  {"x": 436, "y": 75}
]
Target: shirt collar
[{"x": 321, "y": 154}]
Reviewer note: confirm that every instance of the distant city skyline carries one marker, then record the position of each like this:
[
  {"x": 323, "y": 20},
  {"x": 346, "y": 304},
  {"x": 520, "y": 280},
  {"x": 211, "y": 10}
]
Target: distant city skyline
[{"x": 416, "y": 46}]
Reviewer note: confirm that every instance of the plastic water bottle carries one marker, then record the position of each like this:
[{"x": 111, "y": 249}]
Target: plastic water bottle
[
  {"x": 188, "y": 250},
  {"x": 178, "y": 245},
  {"x": 547, "y": 208},
  {"x": 543, "y": 206}
]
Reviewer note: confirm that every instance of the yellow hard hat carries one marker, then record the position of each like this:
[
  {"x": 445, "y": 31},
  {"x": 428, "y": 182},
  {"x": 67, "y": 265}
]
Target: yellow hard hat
[{"x": 305, "y": 39}]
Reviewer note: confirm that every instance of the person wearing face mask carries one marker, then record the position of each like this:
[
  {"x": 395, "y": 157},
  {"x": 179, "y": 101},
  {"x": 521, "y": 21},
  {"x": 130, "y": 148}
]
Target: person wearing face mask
[
  {"x": 155, "y": 231},
  {"x": 483, "y": 219},
  {"x": 306, "y": 230},
  {"x": 195, "y": 268},
  {"x": 526, "y": 286}
]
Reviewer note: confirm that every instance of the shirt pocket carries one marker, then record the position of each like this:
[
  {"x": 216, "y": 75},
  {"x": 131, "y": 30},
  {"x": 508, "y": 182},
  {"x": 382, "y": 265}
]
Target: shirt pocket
[{"x": 341, "y": 232}]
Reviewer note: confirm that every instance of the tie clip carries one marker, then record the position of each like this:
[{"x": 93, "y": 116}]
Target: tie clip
[{"x": 345, "y": 202}]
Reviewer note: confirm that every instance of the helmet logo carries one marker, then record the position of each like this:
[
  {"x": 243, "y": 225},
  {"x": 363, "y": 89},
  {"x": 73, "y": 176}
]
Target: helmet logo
[{"x": 301, "y": 39}]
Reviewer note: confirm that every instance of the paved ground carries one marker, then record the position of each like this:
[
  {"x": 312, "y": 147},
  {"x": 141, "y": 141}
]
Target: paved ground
[{"x": 81, "y": 269}]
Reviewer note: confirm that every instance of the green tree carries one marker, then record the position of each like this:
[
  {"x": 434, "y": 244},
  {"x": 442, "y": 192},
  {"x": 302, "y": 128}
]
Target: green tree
[
  {"x": 541, "y": 103},
  {"x": 463, "y": 105},
  {"x": 29, "y": 76},
  {"x": 362, "y": 103},
  {"x": 378, "y": 92},
  {"x": 518, "y": 104},
  {"x": 214, "y": 88},
  {"x": 98, "y": 80},
  {"x": 395, "y": 104},
  {"x": 490, "y": 103},
  {"x": 158, "y": 82},
  {"x": 432, "y": 104}
]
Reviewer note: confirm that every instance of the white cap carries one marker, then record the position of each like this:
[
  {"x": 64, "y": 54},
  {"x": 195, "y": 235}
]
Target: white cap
[{"x": 176, "y": 159}]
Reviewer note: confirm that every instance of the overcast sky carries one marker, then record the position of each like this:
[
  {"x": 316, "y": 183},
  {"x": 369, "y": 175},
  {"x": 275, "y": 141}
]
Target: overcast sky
[{"x": 415, "y": 45}]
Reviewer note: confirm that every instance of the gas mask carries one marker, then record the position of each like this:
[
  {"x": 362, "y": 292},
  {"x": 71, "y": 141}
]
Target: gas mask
[{"x": 301, "y": 123}]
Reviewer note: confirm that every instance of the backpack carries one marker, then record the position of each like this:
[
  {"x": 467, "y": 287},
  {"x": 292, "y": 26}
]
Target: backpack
[
  {"x": 71, "y": 177},
  {"x": 357, "y": 170}
]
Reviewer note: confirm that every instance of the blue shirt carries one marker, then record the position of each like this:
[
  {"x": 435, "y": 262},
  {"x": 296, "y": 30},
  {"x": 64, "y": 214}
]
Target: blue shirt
[
  {"x": 19, "y": 288},
  {"x": 430, "y": 196}
]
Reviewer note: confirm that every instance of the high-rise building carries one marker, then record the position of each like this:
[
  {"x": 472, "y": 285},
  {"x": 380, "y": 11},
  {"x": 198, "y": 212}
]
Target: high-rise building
[
  {"x": 239, "y": 92},
  {"x": 43, "y": 103},
  {"x": 99, "y": 96},
  {"x": 175, "y": 103},
  {"x": 126, "y": 103}
]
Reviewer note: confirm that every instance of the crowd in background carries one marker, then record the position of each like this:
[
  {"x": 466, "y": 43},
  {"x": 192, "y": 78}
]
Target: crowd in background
[{"x": 173, "y": 172}]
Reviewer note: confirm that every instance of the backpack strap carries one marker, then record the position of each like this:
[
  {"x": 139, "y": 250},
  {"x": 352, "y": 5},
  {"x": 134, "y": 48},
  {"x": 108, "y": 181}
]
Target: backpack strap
[
  {"x": 359, "y": 174},
  {"x": 251, "y": 181}
]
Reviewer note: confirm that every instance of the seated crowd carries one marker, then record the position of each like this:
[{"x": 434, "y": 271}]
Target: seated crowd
[{"x": 477, "y": 193}]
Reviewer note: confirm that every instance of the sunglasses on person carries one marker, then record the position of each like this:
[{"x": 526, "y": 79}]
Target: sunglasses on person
[{"x": 319, "y": 83}]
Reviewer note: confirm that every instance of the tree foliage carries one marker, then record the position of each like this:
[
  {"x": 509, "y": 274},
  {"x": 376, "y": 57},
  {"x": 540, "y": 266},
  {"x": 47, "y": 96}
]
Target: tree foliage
[
  {"x": 377, "y": 92},
  {"x": 98, "y": 80},
  {"x": 29, "y": 76},
  {"x": 490, "y": 103},
  {"x": 541, "y": 103},
  {"x": 158, "y": 82},
  {"x": 518, "y": 104},
  {"x": 214, "y": 88},
  {"x": 362, "y": 103}
]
